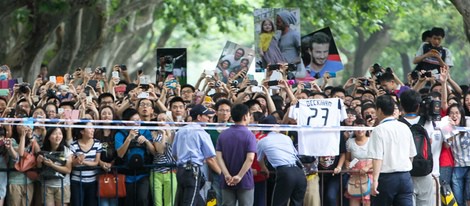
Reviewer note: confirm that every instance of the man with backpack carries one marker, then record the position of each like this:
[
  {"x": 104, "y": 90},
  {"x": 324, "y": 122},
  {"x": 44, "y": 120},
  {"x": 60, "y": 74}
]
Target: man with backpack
[{"x": 423, "y": 162}]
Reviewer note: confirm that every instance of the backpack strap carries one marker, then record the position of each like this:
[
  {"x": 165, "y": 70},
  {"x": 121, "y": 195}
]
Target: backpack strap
[
  {"x": 402, "y": 119},
  {"x": 422, "y": 121}
]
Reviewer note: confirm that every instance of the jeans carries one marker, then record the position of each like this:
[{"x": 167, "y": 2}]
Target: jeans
[
  {"x": 137, "y": 193},
  {"x": 108, "y": 202},
  {"x": 445, "y": 174},
  {"x": 461, "y": 184},
  {"x": 331, "y": 186},
  {"x": 394, "y": 189},
  {"x": 260, "y": 193},
  {"x": 80, "y": 190}
]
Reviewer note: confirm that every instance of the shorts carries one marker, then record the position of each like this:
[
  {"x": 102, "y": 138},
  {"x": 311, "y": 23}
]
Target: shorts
[{"x": 54, "y": 194}]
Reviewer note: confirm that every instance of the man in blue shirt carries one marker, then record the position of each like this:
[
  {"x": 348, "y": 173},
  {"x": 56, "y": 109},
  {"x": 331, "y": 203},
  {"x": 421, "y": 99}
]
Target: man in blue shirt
[
  {"x": 191, "y": 147},
  {"x": 291, "y": 182}
]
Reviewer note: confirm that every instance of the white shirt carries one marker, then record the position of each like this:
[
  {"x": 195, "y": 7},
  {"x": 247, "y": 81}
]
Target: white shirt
[
  {"x": 392, "y": 142},
  {"x": 319, "y": 113},
  {"x": 436, "y": 142}
]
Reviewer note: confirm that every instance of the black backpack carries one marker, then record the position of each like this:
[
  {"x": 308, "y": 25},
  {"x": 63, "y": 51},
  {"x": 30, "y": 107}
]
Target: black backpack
[
  {"x": 423, "y": 65},
  {"x": 422, "y": 162}
]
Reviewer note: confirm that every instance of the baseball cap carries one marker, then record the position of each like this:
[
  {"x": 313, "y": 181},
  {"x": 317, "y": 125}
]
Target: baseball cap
[
  {"x": 198, "y": 110},
  {"x": 268, "y": 120}
]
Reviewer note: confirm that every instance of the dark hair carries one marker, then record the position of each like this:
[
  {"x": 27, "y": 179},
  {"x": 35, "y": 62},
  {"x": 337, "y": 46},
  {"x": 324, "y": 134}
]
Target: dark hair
[
  {"x": 140, "y": 100},
  {"x": 106, "y": 94},
  {"x": 47, "y": 143},
  {"x": 386, "y": 104},
  {"x": 217, "y": 96},
  {"x": 77, "y": 131},
  {"x": 279, "y": 112},
  {"x": 410, "y": 100},
  {"x": 228, "y": 62},
  {"x": 318, "y": 93},
  {"x": 463, "y": 122},
  {"x": 319, "y": 38},
  {"x": 435, "y": 95},
  {"x": 336, "y": 90},
  {"x": 386, "y": 77},
  {"x": 351, "y": 111},
  {"x": 358, "y": 122},
  {"x": 221, "y": 102},
  {"x": 251, "y": 103},
  {"x": 278, "y": 101},
  {"x": 257, "y": 116},
  {"x": 176, "y": 99},
  {"x": 188, "y": 86},
  {"x": 238, "y": 111},
  {"x": 112, "y": 110},
  {"x": 272, "y": 26},
  {"x": 426, "y": 34},
  {"x": 38, "y": 108},
  {"x": 437, "y": 31},
  {"x": 241, "y": 49}
]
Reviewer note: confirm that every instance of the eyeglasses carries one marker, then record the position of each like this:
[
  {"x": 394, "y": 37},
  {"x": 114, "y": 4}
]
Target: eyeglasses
[
  {"x": 223, "y": 110},
  {"x": 145, "y": 104},
  {"x": 107, "y": 103}
]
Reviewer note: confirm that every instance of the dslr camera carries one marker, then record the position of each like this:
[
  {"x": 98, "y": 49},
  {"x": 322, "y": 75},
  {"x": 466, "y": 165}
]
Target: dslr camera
[
  {"x": 430, "y": 109},
  {"x": 24, "y": 87}
]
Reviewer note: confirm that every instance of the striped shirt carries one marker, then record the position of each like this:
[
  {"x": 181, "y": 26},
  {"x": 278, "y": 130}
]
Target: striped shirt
[
  {"x": 165, "y": 158},
  {"x": 461, "y": 150},
  {"x": 88, "y": 175}
]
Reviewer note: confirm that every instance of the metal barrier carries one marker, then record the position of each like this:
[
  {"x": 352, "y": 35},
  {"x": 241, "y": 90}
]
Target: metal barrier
[{"x": 321, "y": 185}]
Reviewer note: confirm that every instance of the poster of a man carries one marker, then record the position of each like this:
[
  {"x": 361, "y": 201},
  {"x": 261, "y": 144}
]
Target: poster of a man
[
  {"x": 233, "y": 60},
  {"x": 172, "y": 61},
  {"x": 319, "y": 53},
  {"x": 277, "y": 36}
]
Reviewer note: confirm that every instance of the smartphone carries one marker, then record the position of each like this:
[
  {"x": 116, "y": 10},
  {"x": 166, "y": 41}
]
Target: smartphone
[
  {"x": 20, "y": 80},
  {"x": 115, "y": 74},
  {"x": 52, "y": 79},
  {"x": 88, "y": 70},
  {"x": 92, "y": 83},
  {"x": 89, "y": 99},
  {"x": 307, "y": 85},
  {"x": 332, "y": 74},
  {"x": 60, "y": 80},
  {"x": 12, "y": 113},
  {"x": 143, "y": 95},
  {"x": 273, "y": 83},
  {"x": 256, "y": 89},
  {"x": 75, "y": 114},
  {"x": 251, "y": 77},
  {"x": 60, "y": 110},
  {"x": 4, "y": 92},
  {"x": 121, "y": 88},
  {"x": 274, "y": 67},
  {"x": 67, "y": 114}
]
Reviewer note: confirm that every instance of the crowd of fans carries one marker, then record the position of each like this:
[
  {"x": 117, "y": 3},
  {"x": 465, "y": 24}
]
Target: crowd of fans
[{"x": 90, "y": 94}]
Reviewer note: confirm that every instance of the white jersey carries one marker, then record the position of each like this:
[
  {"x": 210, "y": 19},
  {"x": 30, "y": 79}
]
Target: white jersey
[{"x": 319, "y": 113}]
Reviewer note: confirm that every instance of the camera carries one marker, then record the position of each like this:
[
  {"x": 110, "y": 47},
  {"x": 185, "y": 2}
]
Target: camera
[
  {"x": 430, "y": 109},
  {"x": 273, "y": 67},
  {"x": 377, "y": 70},
  {"x": 234, "y": 83},
  {"x": 24, "y": 87},
  {"x": 101, "y": 70},
  {"x": 426, "y": 74},
  {"x": 364, "y": 82},
  {"x": 123, "y": 67}
]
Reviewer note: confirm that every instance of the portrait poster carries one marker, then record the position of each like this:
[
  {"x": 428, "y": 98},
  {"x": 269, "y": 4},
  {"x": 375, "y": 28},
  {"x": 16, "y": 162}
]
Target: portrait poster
[
  {"x": 172, "y": 62},
  {"x": 277, "y": 36},
  {"x": 234, "y": 61},
  {"x": 320, "y": 54}
]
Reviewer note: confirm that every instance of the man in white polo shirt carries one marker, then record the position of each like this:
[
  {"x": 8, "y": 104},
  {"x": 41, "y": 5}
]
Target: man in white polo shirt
[{"x": 392, "y": 149}]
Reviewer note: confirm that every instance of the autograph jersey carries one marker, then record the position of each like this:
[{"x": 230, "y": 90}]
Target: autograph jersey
[{"x": 319, "y": 113}]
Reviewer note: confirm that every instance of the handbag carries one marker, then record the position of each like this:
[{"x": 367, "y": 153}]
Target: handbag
[
  {"x": 447, "y": 196},
  {"x": 112, "y": 185},
  {"x": 359, "y": 185},
  {"x": 26, "y": 163}
]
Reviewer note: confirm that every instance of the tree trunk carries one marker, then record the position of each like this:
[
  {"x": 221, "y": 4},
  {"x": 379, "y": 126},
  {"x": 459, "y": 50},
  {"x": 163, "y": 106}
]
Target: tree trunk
[
  {"x": 405, "y": 62},
  {"x": 369, "y": 49},
  {"x": 463, "y": 6}
]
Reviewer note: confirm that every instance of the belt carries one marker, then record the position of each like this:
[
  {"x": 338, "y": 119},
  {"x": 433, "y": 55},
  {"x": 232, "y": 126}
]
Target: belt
[
  {"x": 284, "y": 166},
  {"x": 188, "y": 165}
]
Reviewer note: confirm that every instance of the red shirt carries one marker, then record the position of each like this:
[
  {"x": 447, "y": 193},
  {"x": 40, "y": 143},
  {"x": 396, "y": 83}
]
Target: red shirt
[{"x": 255, "y": 165}]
